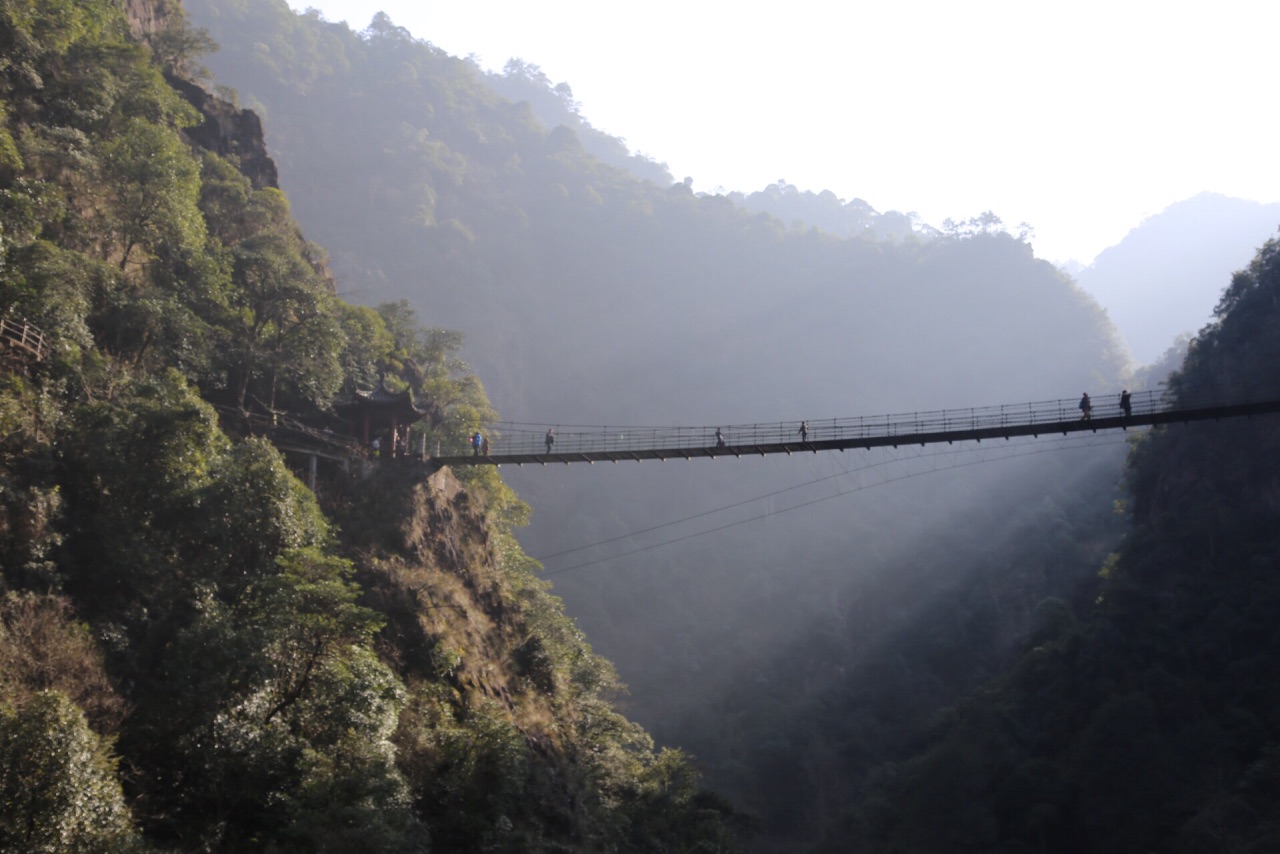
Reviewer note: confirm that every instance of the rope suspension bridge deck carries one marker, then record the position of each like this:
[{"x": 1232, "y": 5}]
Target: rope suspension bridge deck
[{"x": 523, "y": 444}]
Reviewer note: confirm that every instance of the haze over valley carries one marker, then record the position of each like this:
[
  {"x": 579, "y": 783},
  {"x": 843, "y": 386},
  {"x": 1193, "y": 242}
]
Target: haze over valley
[
  {"x": 589, "y": 297},
  {"x": 258, "y": 631}
]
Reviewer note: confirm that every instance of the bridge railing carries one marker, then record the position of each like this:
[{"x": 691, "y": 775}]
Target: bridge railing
[{"x": 511, "y": 438}]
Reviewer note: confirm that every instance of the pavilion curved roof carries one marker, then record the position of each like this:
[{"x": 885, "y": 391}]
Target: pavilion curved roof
[{"x": 383, "y": 399}]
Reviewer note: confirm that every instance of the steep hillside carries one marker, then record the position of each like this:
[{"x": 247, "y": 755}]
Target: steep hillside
[
  {"x": 1150, "y": 724},
  {"x": 553, "y": 105},
  {"x": 198, "y": 652}
]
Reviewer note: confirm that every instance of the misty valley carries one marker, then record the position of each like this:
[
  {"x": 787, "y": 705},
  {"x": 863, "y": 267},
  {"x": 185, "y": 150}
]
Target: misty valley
[{"x": 239, "y": 244}]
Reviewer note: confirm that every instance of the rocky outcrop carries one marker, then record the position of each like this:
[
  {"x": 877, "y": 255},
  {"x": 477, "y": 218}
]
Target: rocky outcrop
[
  {"x": 226, "y": 129},
  {"x": 230, "y": 132},
  {"x": 147, "y": 16}
]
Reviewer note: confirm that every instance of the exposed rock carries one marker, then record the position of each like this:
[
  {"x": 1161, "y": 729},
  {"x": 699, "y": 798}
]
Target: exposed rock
[
  {"x": 226, "y": 130},
  {"x": 230, "y": 132},
  {"x": 146, "y": 16}
]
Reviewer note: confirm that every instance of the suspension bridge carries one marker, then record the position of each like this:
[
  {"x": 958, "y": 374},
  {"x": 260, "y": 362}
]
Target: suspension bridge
[{"x": 514, "y": 443}]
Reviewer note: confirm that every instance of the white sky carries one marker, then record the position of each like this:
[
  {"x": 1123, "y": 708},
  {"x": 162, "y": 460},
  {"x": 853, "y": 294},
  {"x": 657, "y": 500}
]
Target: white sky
[{"x": 1081, "y": 118}]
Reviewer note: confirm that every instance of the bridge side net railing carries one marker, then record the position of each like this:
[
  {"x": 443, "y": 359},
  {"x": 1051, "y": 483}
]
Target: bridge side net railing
[{"x": 513, "y": 438}]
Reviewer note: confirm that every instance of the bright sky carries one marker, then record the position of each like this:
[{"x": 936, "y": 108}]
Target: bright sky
[{"x": 1081, "y": 118}]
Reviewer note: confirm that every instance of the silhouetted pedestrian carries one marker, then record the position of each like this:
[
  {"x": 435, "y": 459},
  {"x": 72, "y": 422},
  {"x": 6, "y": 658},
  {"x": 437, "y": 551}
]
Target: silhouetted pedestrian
[
  {"x": 551, "y": 439},
  {"x": 1125, "y": 405},
  {"x": 719, "y": 438},
  {"x": 804, "y": 431},
  {"x": 1086, "y": 407}
]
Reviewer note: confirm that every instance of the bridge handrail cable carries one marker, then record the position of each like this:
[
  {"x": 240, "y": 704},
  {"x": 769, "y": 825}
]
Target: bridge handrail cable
[{"x": 529, "y": 438}]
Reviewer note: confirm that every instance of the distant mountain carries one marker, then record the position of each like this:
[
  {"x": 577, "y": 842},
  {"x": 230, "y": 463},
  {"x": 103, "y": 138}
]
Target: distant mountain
[
  {"x": 553, "y": 106},
  {"x": 1164, "y": 278},
  {"x": 826, "y": 211}
]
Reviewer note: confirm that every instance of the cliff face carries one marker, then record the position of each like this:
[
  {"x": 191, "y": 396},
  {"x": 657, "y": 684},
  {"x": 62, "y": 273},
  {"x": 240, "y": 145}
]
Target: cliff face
[
  {"x": 147, "y": 16},
  {"x": 226, "y": 130},
  {"x": 230, "y": 132}
]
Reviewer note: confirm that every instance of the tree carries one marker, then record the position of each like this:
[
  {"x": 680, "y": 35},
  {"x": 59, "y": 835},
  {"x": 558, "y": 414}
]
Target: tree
[
  {"x": 177, "y": 47},
  {"x": 278, "y": 718},
  {"x": 367, "y": 346},
  {"x": 427, "y": 361},
  {"x": 42, "y": 647},
  {"x": 310, "y": 613},
  {"x": 279, "y": 321},
  {"x": 58, "y": 786},
  {"x": 32, "y": 30},
  {"x": 154, "y": 183}
]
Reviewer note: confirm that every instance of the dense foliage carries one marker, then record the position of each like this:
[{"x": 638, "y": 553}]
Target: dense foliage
[{"x": 197, "y": 652}]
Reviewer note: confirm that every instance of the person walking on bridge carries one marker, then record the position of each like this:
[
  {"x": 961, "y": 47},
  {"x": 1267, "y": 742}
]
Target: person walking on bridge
[
  {"x": 476, "y": 441},
  {"x": 804, "y": 432},
  {"x": 719, "y": 438},
  {"x": 1125, "y": 405},
  {"x": 551, "y": 438},
  {"x": 1086, "y": 407}
]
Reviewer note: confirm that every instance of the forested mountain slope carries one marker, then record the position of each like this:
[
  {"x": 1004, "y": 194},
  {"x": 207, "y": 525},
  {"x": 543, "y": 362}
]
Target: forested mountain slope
[
  {"x": 197, "y": 652},
  {"x": 553, "y": 105},
  {"x": 1151, "y": 724},
  {"x": 563, "y": 272},
  {"x": 590, "y": 297}
]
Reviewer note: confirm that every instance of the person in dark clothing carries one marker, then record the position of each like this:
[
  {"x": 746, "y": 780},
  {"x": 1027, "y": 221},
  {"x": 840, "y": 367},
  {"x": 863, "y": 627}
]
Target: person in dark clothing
[
  {"x": 551, "y": 439},
  {"x": 1126, "y": 405},
  {"x": 804, "y": 431},
  {"x": 719, "y": 438},
  {"x": 1086, "y": 407},
  {"x": 476, "y": 442}
]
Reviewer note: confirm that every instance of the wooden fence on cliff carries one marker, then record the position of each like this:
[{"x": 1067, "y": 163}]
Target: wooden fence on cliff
[{"x": 24, "y": 339}]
